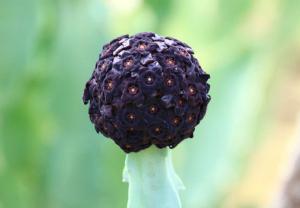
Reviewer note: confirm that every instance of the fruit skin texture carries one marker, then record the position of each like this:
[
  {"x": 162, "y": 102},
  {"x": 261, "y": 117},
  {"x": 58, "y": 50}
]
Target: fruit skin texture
[{"x": 147, "y": 89}]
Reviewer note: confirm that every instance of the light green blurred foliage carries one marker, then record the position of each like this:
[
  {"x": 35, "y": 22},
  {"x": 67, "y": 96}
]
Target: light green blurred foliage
[{"x": 50, "y": 154}]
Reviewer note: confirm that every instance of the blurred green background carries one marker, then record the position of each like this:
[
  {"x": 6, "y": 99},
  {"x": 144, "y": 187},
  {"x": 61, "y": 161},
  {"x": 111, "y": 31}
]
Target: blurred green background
[{"x": 50, "y": 154}]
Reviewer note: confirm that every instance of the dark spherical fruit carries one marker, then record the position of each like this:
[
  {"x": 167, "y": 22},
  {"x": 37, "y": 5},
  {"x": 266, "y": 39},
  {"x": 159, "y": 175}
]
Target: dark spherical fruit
[{"x": 147, "y": 89}]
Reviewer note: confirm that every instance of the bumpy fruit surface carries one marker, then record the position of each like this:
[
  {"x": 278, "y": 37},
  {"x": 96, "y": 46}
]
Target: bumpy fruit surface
[{"x": 146, "y": 89}]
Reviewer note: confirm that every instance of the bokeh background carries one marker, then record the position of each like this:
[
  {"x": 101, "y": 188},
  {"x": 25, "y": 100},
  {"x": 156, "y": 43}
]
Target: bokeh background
[{"x": 244, "y": 151}]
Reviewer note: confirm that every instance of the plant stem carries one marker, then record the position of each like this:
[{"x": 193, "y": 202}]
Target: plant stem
[{"x": 152, "y": 179}]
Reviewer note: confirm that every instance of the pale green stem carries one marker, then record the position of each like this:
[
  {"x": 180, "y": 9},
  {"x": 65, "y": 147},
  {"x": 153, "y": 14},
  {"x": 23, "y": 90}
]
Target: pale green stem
[{"x": 152, "y": 179}]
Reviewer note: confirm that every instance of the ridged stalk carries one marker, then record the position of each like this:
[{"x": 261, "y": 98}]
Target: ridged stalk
[{"x": 152, "y": 179}]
